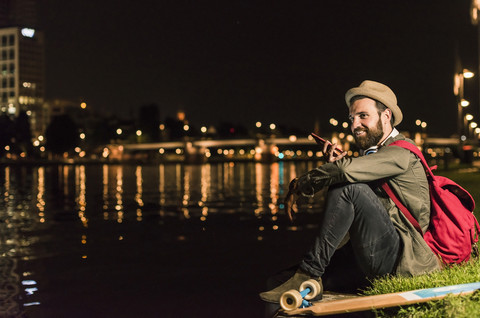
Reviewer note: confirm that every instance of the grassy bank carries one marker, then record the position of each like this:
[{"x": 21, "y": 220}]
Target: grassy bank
[{"x": 451, "y": 306}]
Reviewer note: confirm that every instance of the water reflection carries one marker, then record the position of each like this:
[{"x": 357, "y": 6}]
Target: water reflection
[{"x": 75, "y": 209}]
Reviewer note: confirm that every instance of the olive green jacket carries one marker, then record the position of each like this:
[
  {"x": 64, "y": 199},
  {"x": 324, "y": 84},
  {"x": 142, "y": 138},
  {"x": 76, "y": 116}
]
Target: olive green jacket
[{"x": 406, "y": 177}]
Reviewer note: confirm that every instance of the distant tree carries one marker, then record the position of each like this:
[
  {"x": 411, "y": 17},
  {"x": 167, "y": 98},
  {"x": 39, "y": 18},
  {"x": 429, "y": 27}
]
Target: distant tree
[
  {"x": 23, "y": 134},
  {"x": 101, "y": 133},
  {"x": 62, "y": 134},
  {"x": 7, "y": 130},
  {"x": 149, "y": 121},
  {"x": 174, "y": 127},
  {"x": 229, "y": 130}
]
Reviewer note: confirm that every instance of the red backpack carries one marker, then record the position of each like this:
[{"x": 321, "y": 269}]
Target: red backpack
[{"x": 453, "y": 229}]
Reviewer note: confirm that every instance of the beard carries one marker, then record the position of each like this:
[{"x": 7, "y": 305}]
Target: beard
[{"x": 371, "y": 138}]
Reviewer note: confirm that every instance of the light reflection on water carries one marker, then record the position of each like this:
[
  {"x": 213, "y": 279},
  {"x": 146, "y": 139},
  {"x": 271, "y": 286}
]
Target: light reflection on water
[{"x": 39, "y": 204}]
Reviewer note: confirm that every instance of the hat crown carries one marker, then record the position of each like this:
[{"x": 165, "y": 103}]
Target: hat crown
[{"x": 379, "y": 88}]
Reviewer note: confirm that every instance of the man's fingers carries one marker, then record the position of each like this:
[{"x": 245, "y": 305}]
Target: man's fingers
[
  {"x": 289, "y": 202},
  {"x": 340, "y": 156},
  {"x": 325, "y": 147}
]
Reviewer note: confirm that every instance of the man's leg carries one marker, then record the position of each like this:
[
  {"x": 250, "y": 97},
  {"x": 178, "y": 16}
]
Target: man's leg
[
  {"x": 353, "y": 209},
  {"x": 356, "y": 210}
]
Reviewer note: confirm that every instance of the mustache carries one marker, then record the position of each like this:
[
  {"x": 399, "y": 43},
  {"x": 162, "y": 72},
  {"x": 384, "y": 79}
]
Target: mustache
[{"x": 360, "y": 129}]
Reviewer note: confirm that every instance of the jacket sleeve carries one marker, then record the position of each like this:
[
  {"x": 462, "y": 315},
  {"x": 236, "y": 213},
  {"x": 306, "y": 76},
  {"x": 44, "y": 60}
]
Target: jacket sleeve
[{"x": 387, "y": 162}]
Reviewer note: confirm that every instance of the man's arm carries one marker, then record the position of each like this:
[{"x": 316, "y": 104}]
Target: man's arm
[{"x": 386, "y": 163}]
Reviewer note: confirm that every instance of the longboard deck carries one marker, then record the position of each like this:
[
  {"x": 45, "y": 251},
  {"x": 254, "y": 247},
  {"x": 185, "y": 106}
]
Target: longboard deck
[{"x": 363, "y": 303}]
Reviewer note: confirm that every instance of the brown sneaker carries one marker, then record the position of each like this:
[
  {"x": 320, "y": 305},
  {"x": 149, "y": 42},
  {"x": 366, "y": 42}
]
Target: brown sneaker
[{"x": 273, "y": 296}]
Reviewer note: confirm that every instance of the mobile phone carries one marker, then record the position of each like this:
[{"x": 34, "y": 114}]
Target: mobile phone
[{"x": 337, "y": 151}]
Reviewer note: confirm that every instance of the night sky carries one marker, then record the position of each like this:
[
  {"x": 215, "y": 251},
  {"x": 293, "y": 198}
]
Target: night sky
[{"x": 283, "y": 62}]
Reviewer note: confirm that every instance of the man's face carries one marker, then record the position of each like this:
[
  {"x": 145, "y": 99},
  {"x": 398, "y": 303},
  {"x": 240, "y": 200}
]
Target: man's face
[{"x": 366, "y": 123}]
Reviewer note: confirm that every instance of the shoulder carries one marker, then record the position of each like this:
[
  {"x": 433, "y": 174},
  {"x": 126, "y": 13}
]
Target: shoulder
[{"x": 400, "y": 149}]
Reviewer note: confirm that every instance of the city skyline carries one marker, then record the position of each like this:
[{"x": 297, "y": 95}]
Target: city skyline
[{"x": 242, "y": 61}]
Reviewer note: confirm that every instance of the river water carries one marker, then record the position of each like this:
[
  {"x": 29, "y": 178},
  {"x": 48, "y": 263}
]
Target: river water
[{"x": 166, "y": 240}]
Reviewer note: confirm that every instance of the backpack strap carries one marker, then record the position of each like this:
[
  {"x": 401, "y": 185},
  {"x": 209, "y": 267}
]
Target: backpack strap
[
  {"x": 406, "y": 145},
  {"x": 402, "y": 207}
]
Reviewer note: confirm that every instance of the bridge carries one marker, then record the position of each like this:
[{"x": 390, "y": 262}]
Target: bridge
[{"x": 255, "y": 149}]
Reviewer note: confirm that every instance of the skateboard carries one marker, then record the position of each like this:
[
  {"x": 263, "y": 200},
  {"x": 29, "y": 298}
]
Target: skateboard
[
  {"x": 363, "y": 303},
  {"x": 293, "y": 298}
]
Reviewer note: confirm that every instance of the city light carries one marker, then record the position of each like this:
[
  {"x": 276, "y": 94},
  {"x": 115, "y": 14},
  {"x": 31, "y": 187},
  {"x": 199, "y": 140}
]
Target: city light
[
  {"x": 258, "y": 124},
  {"x": 186, "y": 127},
  {"x": 83, "y": 105},
  {"x": 203, "y": 129},
  {"x": 473, "y": 125},
  {"x": 333, "y": 122},
  {"x": 273, "y": 126},
  {"x": 464, "y": 102},
  {"x": 82, "y": 136},
  {"x": 139, "y": 133},
  {"x": 468, "y": 117},
  {"x": 28, "y": 33},
  {"x": 119, "y": 131},
  {"x": 468, "y": 73}
]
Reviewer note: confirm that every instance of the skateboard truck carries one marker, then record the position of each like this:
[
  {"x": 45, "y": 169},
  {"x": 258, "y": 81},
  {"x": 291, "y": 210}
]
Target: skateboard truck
[{"x": 294, "y": 299}]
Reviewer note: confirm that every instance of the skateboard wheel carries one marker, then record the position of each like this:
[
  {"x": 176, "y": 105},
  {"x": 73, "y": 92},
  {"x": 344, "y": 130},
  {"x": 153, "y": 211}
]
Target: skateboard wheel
[
  {"x": 291, "y": 300},
  {"x": 315, "y": 287}
]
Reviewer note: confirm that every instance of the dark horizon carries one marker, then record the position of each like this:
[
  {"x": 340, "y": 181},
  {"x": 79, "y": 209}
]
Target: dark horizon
[{"x": 285, "y": 63}]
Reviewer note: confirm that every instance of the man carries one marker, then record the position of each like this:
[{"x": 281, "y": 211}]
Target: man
[{"x": 380, "y": 239}]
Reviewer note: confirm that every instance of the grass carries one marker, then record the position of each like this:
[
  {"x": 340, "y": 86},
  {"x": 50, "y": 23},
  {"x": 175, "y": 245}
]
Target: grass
[{"x": 451, "y": 306}]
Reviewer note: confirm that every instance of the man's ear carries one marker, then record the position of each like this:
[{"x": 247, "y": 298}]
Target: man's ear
[{"x": 388, "y": 115}]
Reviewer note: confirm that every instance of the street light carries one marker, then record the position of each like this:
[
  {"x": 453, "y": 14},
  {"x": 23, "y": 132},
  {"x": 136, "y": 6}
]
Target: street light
[
  {"x": 458, "y": 90},
  {"x": 464, "y": 102},
  {"x": 468, "y": 74}
]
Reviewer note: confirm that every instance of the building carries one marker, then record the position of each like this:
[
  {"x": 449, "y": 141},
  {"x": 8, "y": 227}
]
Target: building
[
  {"x": 22, "y": 74},
  {"x": 18, "y": 13},
  {"x": 22, "y": 63}
]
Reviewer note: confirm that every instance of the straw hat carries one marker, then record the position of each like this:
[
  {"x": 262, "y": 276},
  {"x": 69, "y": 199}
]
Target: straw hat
[{"x": 379, "y": 92}]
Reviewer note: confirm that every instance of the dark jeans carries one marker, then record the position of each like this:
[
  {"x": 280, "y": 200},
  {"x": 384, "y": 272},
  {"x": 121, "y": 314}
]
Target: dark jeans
[{"x": 374, "y": 242}]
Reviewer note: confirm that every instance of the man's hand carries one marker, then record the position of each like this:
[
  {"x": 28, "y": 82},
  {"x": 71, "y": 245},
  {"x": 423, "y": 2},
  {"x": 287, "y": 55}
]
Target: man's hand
[
  {"x": 330, "y": 154},
  {"x": 291, "y": 198}
]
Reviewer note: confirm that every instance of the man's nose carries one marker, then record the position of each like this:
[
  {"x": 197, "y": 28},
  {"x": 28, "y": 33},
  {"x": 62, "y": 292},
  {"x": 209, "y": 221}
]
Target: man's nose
[{"x": 355, "y": 123}]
